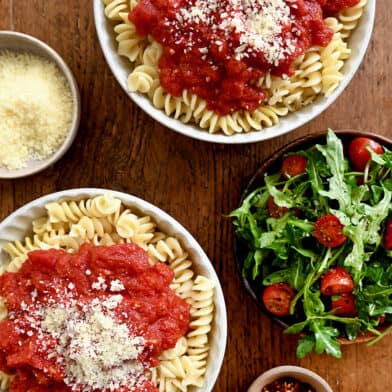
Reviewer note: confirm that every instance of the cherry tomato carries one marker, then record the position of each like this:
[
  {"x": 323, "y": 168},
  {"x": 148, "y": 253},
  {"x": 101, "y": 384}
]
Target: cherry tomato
[
  {"x": 336, "y": 281},
  {"x": 344, "y": 305},
  {"x": 329, "y": 231},
  {"x": 294, "y": 165},
  {"x": 388, "y": 235},
  {"x": 274, "y": 210},
  {"x": 358, "y": 153},
  {"x": 382, "y": 319},
  {"x": 277, "y": 298}
]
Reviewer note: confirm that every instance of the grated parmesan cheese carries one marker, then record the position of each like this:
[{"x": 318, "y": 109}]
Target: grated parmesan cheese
[
  {"x": 35, "y": 108},
  {"x": 259, "y": 24},
  {"x": 98, "y": 353},
  {"x": 94, "y": 350}
]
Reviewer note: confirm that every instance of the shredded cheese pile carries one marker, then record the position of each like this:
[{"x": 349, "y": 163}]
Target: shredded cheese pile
[
  {"x": 35, "y": 108},
  {"x": 94, "y": 350},
  {"x": 259, "y": 24}
]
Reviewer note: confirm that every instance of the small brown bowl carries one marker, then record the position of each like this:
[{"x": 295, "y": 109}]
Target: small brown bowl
[
  {"x": 296, "y": 372},
  {"x": 273, "y": 164}
]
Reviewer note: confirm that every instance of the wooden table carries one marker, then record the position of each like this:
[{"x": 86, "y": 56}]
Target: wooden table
[{"x": 121, "y": 148}]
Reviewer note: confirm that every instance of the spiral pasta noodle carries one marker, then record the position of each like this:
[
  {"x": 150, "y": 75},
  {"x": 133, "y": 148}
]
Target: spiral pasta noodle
[
  {"x": 130, "y": 44},
  {"x": 104, "y": 220},
  {"x": 350, "y": 17},
  {"x": 317, "y": 73},
  {"x": 5, "y": 381}
]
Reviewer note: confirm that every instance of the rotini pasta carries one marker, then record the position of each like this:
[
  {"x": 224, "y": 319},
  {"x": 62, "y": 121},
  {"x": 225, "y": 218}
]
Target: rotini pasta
[
  {"x": 317, "y": 72},
  {"x": 104, "y": 220},
  {"x": 5, "y": 381}
]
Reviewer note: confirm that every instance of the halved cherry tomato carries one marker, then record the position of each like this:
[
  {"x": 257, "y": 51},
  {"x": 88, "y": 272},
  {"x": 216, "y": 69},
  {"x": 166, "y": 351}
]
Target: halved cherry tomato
[
  {"x": 277, "y": 298},
  {"x": 336, "y": 281},
  {"x": 329, "y": 231},
  {"x": 294, "y": 165},
  {"x": 358, "y": 153},
  {"x": 274, "y": 210},
  {"x": 388, "y": 235},
  {"x": 382, "y": 319},
  {"x": 344, "y": 305}
]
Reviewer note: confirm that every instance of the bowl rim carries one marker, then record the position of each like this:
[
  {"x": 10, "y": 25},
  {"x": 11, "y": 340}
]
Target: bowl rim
[
  {"x": 76, "y": 105},
  {"x": 200, "y": 258},
  {"x": 251, "y": 185},
  {"x": 289, "y": 371},
  {"x": 287, "y": 124}
]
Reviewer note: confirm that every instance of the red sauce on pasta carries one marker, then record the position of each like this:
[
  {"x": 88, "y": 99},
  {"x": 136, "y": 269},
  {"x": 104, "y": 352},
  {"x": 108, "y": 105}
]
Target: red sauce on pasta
[
  {"x": 334, "y": 6},
  {"x": 219, "y": 49},
  {"x": 112, "y": 289}
]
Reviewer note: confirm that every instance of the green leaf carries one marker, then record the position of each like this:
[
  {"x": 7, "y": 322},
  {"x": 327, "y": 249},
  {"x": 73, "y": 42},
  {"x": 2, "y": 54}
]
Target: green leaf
[
  {"x": 313, "y": 305},
  {"x": 325, "y": 339},
  {"x": 281, "y": 199},
  {"x": 296, "y": 328},
  {"x": 333, "y": 153},
  {"x": 265, "y": 240},
  {"x": 306, "y": 253},
  {"x": 277, "y": 277},
  {"x": 296, "y": 277},
  {"x": 305, "y": 346},
  {"x": 351, "y": 331},
  {"x": 247, "y": 263},
  {"x": 307, "y": 227},
  {"x": 258, "y": 258}
]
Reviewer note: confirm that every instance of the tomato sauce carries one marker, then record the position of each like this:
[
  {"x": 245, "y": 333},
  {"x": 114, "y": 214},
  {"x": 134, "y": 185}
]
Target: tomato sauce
[
  {"x": 148, "y": 308},
  {"x": 219, "y": 49},
  {"x": 334, "y": 6}
]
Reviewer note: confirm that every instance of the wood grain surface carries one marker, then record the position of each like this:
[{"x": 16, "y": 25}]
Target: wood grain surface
[{"x": 120, "y": 147}]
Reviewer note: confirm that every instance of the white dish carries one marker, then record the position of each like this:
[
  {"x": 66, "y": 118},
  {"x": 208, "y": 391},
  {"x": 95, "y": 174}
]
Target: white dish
[
  {"x": 358, "y": 43},
  {"x": 14, "y": 41},
  {"x": 18, "y": 225}
]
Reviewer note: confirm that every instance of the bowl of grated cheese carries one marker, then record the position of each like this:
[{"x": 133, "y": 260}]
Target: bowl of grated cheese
[{"x": 39, "y": 105}]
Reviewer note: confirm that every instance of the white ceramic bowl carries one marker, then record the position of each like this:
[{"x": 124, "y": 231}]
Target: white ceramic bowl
[
  {"x": 358, "y": 43},
  {"x": 297, "y": 372},
  {"x": 19, "y": 42},
  {"x": 18, "y": 225}
]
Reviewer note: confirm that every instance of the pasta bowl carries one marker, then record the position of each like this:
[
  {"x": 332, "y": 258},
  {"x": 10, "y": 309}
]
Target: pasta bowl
[
  {"x": 121, "y": 68},
  {"x": 19, "y": 225},
  {"x": 273, "y": 164}
]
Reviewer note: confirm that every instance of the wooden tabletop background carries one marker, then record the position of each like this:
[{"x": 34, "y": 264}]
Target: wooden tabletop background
[{"x": 120, "y": 147}]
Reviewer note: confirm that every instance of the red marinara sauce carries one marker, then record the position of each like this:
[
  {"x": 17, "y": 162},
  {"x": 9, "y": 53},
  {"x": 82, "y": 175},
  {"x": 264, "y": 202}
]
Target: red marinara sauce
[
  {"x": 219, "y": 49},
  {"x": 334, "y": 6},
  {"x": 116, "y": 284}
]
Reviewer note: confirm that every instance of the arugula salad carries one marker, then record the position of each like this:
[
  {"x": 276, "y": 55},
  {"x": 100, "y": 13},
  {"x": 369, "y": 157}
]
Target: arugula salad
[{"x": 318, "y": 240}]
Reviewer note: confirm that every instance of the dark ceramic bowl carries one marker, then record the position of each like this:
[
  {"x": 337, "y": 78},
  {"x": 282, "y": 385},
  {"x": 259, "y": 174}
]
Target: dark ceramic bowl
[{"x": 271, "y": 165}]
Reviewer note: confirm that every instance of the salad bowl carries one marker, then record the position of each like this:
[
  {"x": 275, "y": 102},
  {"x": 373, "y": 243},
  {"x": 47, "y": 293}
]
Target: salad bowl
[{"x": 272, "y": 165}]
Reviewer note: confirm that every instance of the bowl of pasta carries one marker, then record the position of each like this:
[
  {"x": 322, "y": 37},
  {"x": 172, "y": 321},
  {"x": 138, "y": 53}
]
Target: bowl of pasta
[
  {"x": 216, "y": 72},
  {"x": 107, "y": 290}
]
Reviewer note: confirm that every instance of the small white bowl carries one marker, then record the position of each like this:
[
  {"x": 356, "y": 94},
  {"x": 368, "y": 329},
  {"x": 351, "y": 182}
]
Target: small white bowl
[
  {"x": 297, "y": 372},
  {"x": 18, "y": 42},
  {"x": 358, "y": 44},
  {"x": 19, "y": 224}
]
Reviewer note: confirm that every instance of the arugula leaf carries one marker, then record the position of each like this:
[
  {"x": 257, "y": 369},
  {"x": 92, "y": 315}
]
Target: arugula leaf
[
  {"x": 277, "y": 277},
  {"x": 325, "y": 339},
  {"x": 305, "y": 346},
  {"x": 333, "y": 153}
]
